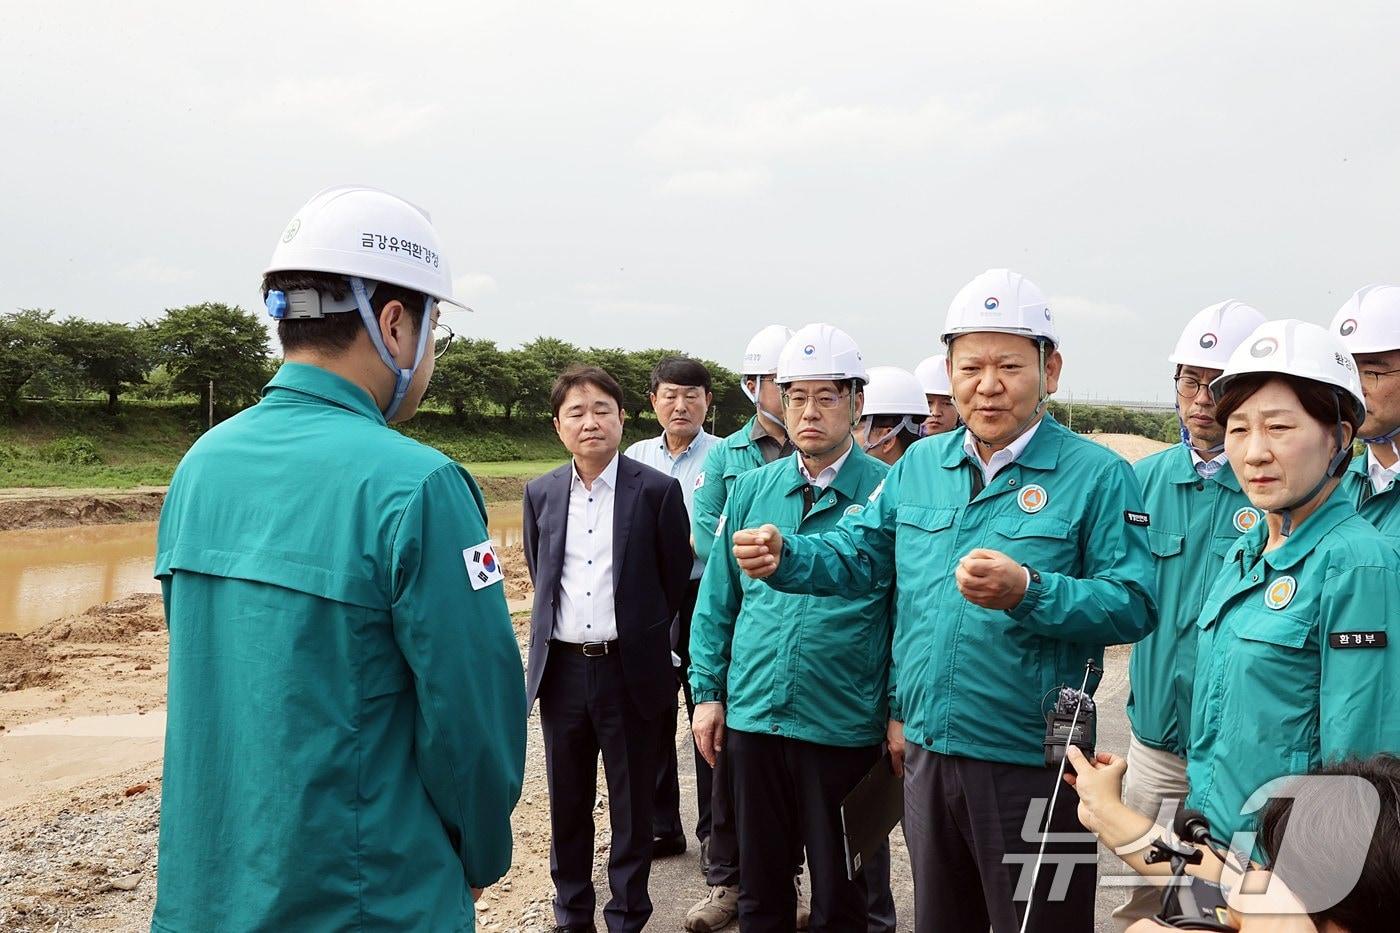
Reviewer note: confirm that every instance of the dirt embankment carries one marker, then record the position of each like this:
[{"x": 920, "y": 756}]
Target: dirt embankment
[
  {"x": 61, "y": 508},
  {"x": 51, "y": 510},
  {"x": 79, "y": 817}
]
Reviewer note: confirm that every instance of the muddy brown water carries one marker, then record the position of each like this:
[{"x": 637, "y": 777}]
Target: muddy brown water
[{"x": 49, "y": 573}]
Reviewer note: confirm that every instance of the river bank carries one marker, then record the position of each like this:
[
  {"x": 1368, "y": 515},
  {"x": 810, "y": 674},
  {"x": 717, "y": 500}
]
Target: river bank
[
  {"x": 54, "y": 507},
  {"x": 81, "y": 741}
]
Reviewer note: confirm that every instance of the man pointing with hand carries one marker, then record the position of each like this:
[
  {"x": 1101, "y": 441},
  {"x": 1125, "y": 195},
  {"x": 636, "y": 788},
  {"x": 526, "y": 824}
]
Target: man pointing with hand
[{"x": 1018, "y": 550}]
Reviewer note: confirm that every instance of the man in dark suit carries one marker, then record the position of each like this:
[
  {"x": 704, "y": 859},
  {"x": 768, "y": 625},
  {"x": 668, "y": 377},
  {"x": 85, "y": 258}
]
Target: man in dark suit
[{"x": 607, "y": 541}]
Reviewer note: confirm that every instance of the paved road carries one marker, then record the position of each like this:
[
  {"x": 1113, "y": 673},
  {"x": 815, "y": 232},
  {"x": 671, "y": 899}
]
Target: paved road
[{"x": 676, "y": 882}]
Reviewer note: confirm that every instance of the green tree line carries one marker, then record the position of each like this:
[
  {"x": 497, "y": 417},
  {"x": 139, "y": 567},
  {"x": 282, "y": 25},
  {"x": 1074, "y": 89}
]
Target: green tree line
[{"x": 186, "y": 350}]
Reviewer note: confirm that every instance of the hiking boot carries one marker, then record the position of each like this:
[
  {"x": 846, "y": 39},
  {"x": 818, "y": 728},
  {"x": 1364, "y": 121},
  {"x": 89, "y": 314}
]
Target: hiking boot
[
  {"x": 715, "y": 912},
  {"x": 804, "y": 905}
]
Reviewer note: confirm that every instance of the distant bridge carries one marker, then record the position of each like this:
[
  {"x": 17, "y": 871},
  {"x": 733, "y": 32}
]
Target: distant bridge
[{"x": 1155, "y": 407}]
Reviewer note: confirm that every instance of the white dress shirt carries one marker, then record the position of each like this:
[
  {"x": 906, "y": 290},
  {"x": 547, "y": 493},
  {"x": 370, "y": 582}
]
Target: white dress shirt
[
  {"x": 1381, "y": 477},
  {"x": 683, "y": 467},
  {"x": 1002, "y": 458},
  {"x": 1205, "y": 469},
  {"x": 586, "y": 611},
  {"x": 828, "y": 475}
]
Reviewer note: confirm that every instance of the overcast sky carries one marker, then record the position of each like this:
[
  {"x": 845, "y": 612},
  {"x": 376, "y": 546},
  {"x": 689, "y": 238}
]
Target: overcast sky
[{"x": 662, "y": 174}]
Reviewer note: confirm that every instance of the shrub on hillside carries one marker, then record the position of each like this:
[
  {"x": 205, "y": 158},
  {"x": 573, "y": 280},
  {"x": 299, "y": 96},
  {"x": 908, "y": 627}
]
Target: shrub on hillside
[
  {"x": 481, "y": 448},
  {"x": 77, "y": 450}
]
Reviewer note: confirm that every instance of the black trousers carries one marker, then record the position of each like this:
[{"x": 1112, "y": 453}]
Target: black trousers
[
  {"x": 974, "y": 829},
  {"x": 787, "y": 798},
  {"x": 584, "y": 710},
  {"x": 666, "y": 814}
]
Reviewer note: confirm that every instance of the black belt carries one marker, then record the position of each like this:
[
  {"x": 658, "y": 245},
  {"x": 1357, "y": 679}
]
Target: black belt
[{"x": 589, "y": 649}]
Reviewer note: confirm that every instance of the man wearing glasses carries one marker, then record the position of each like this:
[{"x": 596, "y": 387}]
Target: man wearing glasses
[
  {"x": 680, "y": 396},
  {"x": 1369, "y": 325},
  {"x": 1197, "y": 512},
  {"x": 794, "y": 689}
]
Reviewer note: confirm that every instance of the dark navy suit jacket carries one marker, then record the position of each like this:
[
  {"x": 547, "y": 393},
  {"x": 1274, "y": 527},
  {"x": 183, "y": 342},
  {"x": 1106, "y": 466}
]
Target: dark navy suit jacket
[{"x": 651, "y": 569}]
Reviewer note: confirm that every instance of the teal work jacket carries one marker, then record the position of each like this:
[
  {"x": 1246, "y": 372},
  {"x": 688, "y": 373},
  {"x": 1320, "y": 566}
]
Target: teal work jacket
[{"x": 346, "y": 726}]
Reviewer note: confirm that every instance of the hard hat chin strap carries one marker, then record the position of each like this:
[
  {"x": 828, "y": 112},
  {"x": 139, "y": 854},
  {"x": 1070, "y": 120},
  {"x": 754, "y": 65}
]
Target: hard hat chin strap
[
  {"x": 758, "y": 407},
  {"x": 1387, "y": 438},
  {"x": 905, "y": 424},
  {"x": 1186, "y": 435},
  {"x": 402, "y": 377},
  {"x": 1333, "y": 466},
  {"x": 1040, "y": 406}
]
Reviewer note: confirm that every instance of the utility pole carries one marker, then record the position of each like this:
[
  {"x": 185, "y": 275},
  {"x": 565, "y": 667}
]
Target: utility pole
[{"x": 211, "y": 403}]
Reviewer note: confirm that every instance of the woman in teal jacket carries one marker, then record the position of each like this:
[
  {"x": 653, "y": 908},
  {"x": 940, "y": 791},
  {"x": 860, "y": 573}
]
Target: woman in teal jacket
[{"x": 1293, "y": 663}]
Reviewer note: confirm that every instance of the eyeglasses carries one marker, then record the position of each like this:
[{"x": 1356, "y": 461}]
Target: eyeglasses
[
  {"x": 1189, "y": 386},
  {"x": 826, "y": 401},
  {"x": 442, "y": 339},
  {"x": 1372, "y": 380}
]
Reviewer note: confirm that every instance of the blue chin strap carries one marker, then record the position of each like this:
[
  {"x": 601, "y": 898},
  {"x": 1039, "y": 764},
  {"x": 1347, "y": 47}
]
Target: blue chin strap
[
  {"x": 1387, "y": 438},
  {"x": 402, "y": 377}
]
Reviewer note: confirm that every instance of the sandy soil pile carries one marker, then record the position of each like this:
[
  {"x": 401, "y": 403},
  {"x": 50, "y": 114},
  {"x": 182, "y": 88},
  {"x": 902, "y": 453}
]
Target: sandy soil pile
[
  {"x": 517, "y": 575},
  {"x": 81, "y": 855},
  {"x": 1131, "y": 447},
  {"x": 112, "y": 656}
]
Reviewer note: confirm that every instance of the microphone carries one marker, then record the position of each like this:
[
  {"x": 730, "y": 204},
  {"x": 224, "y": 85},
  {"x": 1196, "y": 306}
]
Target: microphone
[{"x": 1192, "y": 826}]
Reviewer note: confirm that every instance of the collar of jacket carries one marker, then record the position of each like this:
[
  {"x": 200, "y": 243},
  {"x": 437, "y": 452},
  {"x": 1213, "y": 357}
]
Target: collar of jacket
[
  {"x": 1183, "y": 471},
  {"x": 313, "y": 382},
  {"x": 1304, "y": 539},
  {"x": 847, "y": 481},
  {"x": 1042, "y": 453}
]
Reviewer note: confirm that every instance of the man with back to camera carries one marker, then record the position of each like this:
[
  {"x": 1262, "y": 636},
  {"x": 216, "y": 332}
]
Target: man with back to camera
[
  {"x": 333, "y": 599},
  {"x": 607, "y": 546},
  {"x": 1018, "y": 551},
  {"x": 680, "y": 396},
  {"x": 1198, "y": 512}
]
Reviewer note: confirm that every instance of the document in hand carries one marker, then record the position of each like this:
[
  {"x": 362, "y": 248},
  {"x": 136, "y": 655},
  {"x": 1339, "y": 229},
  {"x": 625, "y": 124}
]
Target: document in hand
[{"x": 870, "y": 813}]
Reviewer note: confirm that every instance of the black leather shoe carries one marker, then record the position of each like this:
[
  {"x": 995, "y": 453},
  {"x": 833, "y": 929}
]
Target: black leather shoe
[
  {"x": 581, "y": 928},
  {"x": 705, "y": 856},
  {"x": 666, "y": 846}
]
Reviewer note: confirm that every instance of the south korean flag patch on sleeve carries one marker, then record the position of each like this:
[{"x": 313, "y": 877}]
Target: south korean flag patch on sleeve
[{"x": 483, "y": 569}]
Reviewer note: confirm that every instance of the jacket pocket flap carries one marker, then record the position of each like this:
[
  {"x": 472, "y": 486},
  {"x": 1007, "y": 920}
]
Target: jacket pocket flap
[
  {"x": 1165, "y": 543},
  {"x": 929, "y": 518},
  {"x": 1032, "y": 526},
  {"x": 1275, "y": 628}
]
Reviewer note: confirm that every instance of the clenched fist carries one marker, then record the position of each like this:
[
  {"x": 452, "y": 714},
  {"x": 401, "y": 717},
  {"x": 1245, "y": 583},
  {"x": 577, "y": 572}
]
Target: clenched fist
[
  {"x": 990, "y": 579},
  {"x": 758, "y": 550}
]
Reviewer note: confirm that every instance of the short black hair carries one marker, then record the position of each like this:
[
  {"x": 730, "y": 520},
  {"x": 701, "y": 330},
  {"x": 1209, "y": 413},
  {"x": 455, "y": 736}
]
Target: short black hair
[
  {"x": 335, "y": 333},
  {"x": 576, "y": 376},
  {"x": 1324, "y": 817},
  {"x": 680, "y": 371},
  {"x": 879, "y": 424}
]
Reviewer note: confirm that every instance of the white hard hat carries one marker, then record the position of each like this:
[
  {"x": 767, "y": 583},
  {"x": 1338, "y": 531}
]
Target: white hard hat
[
  {"x": 894, "y": 391},
  {"x": 1000, "y": 301},
  {"x": 820, "y": 351},
  {"x": 1370, "y": 320},
  {"x": 367, "y": 233},
  {"x": 1294, "y": 348},
  {"x": 1214, "y": 333},
  {"x": 932, "y": 374},
  {"x": 761, "y": 355}
]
